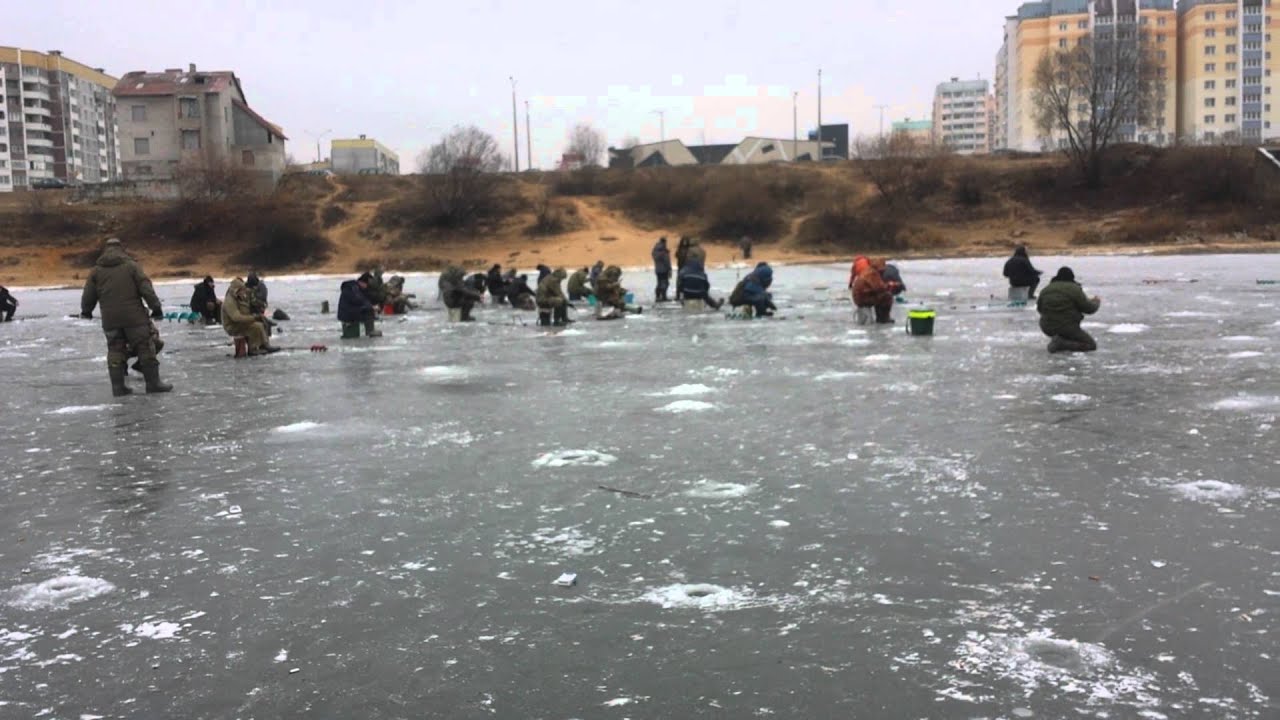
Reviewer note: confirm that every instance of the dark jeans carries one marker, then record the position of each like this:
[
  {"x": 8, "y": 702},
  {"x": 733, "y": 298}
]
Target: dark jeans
[
  {"x": 8, "y": 314},
  {"x": 664, "y": 282},
  {"x": 884, "y": 313}
]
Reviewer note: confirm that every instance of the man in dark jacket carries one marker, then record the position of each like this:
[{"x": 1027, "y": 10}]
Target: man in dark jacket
[
  {"x": 355, "y": 306},
  {"x": 579, "y": 285},
  {"x": 204, "y": 300},
  {"x": 1021, "y": 273},
  {"x": 120, "y": 287},
  {"x": 543, "y": 272},
  {"x": 661, "y": 268},
  {"x": 257, "y": 287},
  {"x": 693, "y": 284},
  {"x": 456, "y": 294},
  {"x": 892, "y": 277},
  {"x": 520, "y": 295},
  {"x": 1062, "y": 308},
  {"x": 496, "y": 285},
  {"x": 744, "y": 245},
  {"x": 551, "y": 299},
  {"x": 8, "y": 304},
  {"x": 753, "y": 290}
]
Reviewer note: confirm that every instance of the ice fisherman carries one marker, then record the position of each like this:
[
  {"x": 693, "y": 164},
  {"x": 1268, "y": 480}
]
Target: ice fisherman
[
  {"x": 456, "y": 294},
  {"x": 242, "y": 316},
  {"x": 1062, "y": 307},
  {"x": 693, "y": 284},
  {"x": 551, "y": 300},
  {"x": 520, "y": 295},
  {"x": 744, "y": 246},
  {"x": 1021, "y": 273},
  {"x": 892, "y": 277},
  {"x": 355, "y": 306},
  {"x": 753, "y": 291},
  {"x": 543, "y": 272},
  {"x": 377, "y": 289},
  {"x": 661, "y": 268},
  {"x": 611, "y": 294},
  {"x": 478, "y": 282},
  {"x": 120, "y": 286},
  {"x": 580, "y": 285},
  {"x": 870, "y": 290},
  {"x": 400, "y": 301},
  {"x": 8, "y": 304},
  {"x": 596, "y": 270},
  {"x": 496, "y": 285},
  {"x": 259, "y": 288},
  {"x": 204, "y": 300}
]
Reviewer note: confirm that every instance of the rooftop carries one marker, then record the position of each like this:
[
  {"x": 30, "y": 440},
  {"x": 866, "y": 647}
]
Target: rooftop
[
  {"x": 172, "y": 82},
  {"x": 907, "y": 125}
]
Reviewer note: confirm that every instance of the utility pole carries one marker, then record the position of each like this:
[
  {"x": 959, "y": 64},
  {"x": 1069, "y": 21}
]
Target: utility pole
[
  {"x": 821, "y": 153},
  {"x": 515, "y": 127},
  {"x": 881, "y": 108},
  {"x": 528, "y": 136},
  {"x": 662, "y": 125},
  {"x": 795, "y": 123}
]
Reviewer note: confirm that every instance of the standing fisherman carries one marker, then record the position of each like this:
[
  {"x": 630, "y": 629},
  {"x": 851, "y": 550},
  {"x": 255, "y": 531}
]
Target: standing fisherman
[
  {"x": 662, "y": 268},
  {"x": 120, "y": 287}
]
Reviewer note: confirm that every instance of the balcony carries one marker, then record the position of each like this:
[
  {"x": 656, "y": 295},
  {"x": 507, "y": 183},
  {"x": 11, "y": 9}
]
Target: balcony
[
  {"x": 35, "y": 92},
  {"x": 37, "y": 110},
  {"x": 33, "y": 142},
  {"x": 38, "y": 125}
]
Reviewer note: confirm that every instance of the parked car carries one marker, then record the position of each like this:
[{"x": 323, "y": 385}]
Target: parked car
[{"x": 49, "y": 184}]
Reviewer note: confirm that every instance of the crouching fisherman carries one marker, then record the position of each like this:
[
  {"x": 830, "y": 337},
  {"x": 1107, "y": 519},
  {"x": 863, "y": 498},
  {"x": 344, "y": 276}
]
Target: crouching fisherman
[
  {"x": 1062, "y": 307},
  {"x": 871, "y": 291},
  {"x": 356, "y": 307},
  {"x": 579, "y": 285},
  {"x": 753, "y": 291},
  {"x": 120, "y": 287},
  {"x": 611, "y": 296},
  {"x": 520, "y": 295},
  {"x": 400, "y": 301},
  {"x": 553, "y": 307},
  {"x": 457, "y": 294},
  {"x": 242, "y": 317},
  {"x": 694, "y": 286},
  {"x": 204, "y": 300}
]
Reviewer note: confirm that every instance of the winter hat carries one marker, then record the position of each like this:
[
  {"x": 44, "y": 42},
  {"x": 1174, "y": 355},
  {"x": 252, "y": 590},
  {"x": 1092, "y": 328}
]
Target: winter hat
[
  {"x": 1066, "y": 275},
  {"x": 208, "y": 279},
  {"x": 252, "y": 280},
  {"x": 1020, "y": 251},
  {"x": 365, "y": 278}
]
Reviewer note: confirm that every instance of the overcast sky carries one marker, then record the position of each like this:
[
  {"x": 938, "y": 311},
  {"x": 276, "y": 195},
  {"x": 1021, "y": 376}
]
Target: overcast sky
[{"x": 406, "y": 71}]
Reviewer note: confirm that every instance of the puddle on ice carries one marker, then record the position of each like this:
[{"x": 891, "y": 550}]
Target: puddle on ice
[
  {"x": 1038, "y": 662},
  {"x": 1071, "y": 399},
  {"x": 1128, "y": 329},
  {"x": 709, "y": 490},
  {"x": 684, "y": 406},
  {"x": 78, "y": 409},
  {"x": 574, "y": 458},
  {"x": 1210, "y": 491},
  {"x": 686, "y": 391},
  {"x": 298, "y": 427},
  {"x": 708, "y": 598},
  {"x": 55, "y": 594},
  {"x": 1247, "y": 402}
]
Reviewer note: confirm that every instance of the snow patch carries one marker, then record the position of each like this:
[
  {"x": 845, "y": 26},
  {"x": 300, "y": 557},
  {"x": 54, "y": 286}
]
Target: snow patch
[
  {"x": 444, "y": 373},
  {"x": 686, "y": 391},
  {"x": 719, "y": 490},
  {"x": 298, "y": 427},
  {"x": 153, "y": 630},
  {"x": 1247, "y": 402},
  {"x": 574, "y": 458},
  {"x": 1071, "y": 399},
  {"x": 55, "y": 594},
  {"x": 1245, "y": 354},
  {"x": 709, "y": 598},
  {"x": 1128, "y": 329},
  {"x": 569, "y": 541},
  {"x": 80, "y": 409},
  {"x": 1209, "y": 491},
  {"x": 835, "y": 375},
  {"x": 684, "y": 406}
]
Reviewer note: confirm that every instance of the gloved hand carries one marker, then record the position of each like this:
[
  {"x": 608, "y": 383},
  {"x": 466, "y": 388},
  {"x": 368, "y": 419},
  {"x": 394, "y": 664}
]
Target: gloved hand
[{"x": 157, "y": 314}]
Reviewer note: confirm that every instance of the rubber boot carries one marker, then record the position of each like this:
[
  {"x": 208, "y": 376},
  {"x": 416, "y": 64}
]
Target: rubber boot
[
  {"x": 118, "y": 386},
  {"x": 371, "y": 330},
  {"x": 466, "y": 314},
  {"x": 1057, "y": 345},
  {"x": 152, "y": 374}
]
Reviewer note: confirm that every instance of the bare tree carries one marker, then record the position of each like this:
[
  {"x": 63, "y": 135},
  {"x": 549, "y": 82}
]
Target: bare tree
[
  {"x": 587, "y": 142},
  {"x": 212, "y": 180},
  {"x": 1088, "y": 96},
  {"x": 629, "y": 142},
  {"x": 460, "y": 184},
  {"x": 900, "y": 167}
]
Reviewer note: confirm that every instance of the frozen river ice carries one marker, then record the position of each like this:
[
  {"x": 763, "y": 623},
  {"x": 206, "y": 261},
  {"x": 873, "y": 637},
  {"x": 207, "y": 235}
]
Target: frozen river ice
[{"x": 827, "y": 521}]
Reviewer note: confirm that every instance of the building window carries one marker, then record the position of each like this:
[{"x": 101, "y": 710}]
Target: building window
[
  {"x": 1231, "y": 32},
  {"x": 1231, "y": 14},
  {"x": 1211, "y": 16},
  {"x": 139, "y": 113},
  {"x": 1062, "y": 42},
  {"x": 246, "y": 158},
  {"x": 1231, "y": 67},
  {"x": 1062, "y": 27},
  {"x": 1210, "y": 33},
  {"x": 1209, "y": 102},
  {"x": 1161, "y": 21},
  {"x": 1210, "y": 84},
  {"x": 1231, "y": 83},
  {"x": 188, "y": 108},
  {"x": 141, "y": 146},
  {"x": 1083, "y": 25},
  {"x": 1231, "y": 101},
  {"x": 1210, "y": 67},
  {"x": 1209, "y": 119},
  {"x": 1210, "y": 49},
  {"x": 190, "y": 139},
  {"x": 1160, "y": 38},
  {"x": 1231, "y": 49}
]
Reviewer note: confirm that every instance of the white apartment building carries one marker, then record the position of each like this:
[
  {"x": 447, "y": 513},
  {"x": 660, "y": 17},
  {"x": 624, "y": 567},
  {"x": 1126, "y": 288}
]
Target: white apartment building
[
  {"x": 57, "y": 121},
  {"x": 962, "y": 115}
]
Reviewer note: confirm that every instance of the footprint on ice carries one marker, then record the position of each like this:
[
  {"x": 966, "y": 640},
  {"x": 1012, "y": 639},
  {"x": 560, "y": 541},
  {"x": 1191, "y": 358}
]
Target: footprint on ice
[
  {"x": 1128, "y": 329},
  {"x": 1210, "y": 491},
  {"x": 709, "y": 598},
  {"x": 55, "y": 594},
  {"x": 684, "y": 406},
  {"x": 298, "y": 427},
  {"x": 709, "y": 490},
  {"x": 686, "y": 391},
  {"x": 1071, "y": 399},
  {"x": 574, "y": 458}
]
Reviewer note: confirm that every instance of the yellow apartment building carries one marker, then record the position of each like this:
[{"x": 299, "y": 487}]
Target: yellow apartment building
[{"x": 1224, "y": 70}]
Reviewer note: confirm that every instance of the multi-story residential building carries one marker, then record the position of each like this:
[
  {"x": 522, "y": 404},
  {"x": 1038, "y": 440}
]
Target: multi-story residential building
[
  {"x": 174, "y": 118},
  {"x": 363, "y": 156},
  {"x": 919, "y": 131},
  {"x": 57, "y": 121},
  {"x": 1224, "y": 70},
  {"x": 962, "y": 114},
  {"x": 1047, "y": 25}
]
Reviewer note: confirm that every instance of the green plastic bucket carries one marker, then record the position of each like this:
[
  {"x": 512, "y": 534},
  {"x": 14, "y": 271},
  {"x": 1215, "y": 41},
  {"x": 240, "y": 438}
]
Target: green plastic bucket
[
  {"x": 350, "y": 330},
  {"x": 920, "y": 322}
]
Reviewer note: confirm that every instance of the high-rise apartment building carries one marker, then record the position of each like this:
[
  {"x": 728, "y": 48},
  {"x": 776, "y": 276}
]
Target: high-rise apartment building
[
  {"x": 1049, "y": 25},
  {"x": 962, "y": 113},
  {"x": 57, "y": 121},
  {"x": 1224, "y": 69}
]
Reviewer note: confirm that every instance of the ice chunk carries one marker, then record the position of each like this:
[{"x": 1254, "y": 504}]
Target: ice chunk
[
  {"x": 1247, "y": 402},
  {"x": 574, "y": 458},
  {"x": 153, "y": 630},
  {"x": 80, "y": 409},
  {"x": 1071, "y": 399},
  {"x": 687, "y": 390},
  {"x": 719, "y": 490}
]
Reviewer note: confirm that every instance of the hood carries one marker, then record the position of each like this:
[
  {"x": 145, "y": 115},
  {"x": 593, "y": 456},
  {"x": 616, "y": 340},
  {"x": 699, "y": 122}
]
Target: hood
[
  {"x": 1020, "y": 251},
  {"x": 114, "y": 255},
  {"x": 860, "y": 264},
  {"x": 764, "y": 275},
  {"x": 560, "y": 274},
  {"x": 613, "y": 272},
  {"x": 1065, "y": 275},
  {"x": 878, "y": 264},
  {"x": 235, "y": 285}
]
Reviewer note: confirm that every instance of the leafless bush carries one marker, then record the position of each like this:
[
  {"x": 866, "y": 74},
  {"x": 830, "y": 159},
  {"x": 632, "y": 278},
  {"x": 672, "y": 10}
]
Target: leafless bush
[{"x": 587, "y": 143}]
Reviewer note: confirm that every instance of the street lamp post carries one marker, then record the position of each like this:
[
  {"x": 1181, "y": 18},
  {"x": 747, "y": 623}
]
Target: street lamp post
[
  {"x": 528, "y": 137},
  {"x": 881, "y": 108},
  {"x": 318, "y": 139},
  {"x": 515, "y": 127},
  {"x": 662, "y": 125},
  {"x": 795, "y": 123},
  {"x": 821, "y": 152}
]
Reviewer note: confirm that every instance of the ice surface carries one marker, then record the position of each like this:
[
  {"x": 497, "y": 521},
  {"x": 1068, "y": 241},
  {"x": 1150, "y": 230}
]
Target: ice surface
[
  {"x": 1128, "y": 329},
  {"x": 406, "y": 502},
  {"x": 686, "y": 406}
]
